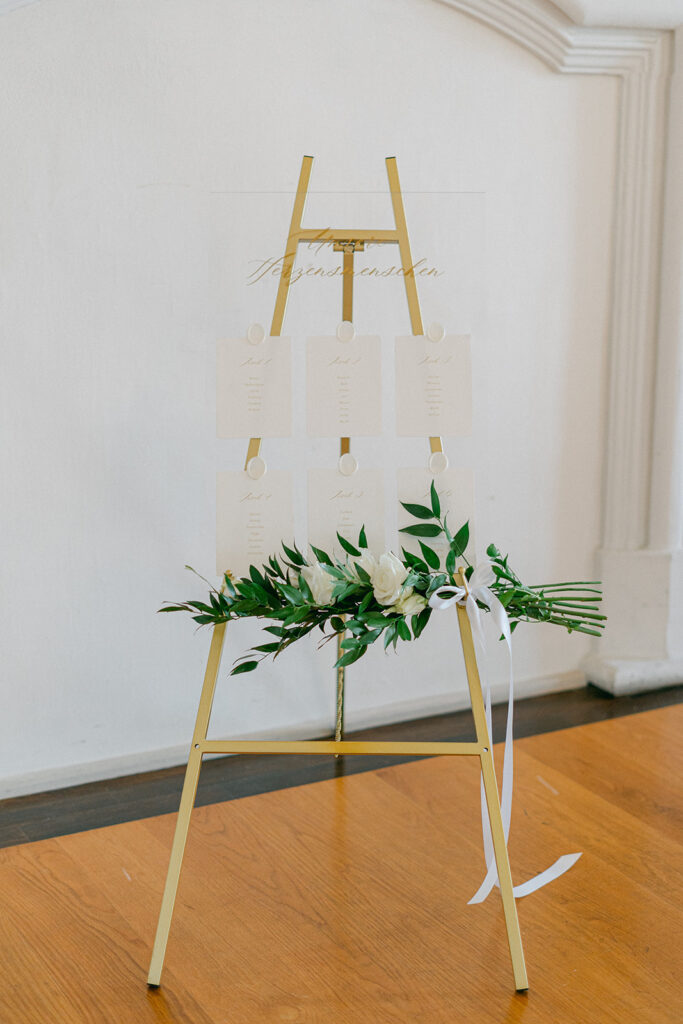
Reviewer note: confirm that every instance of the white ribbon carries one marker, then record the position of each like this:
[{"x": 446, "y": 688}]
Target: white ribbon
[{"x": 477, "y": 588}]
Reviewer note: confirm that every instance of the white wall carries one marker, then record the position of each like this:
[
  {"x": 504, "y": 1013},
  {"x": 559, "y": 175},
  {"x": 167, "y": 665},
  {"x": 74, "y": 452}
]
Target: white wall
[{"x": 129, "y": 130}]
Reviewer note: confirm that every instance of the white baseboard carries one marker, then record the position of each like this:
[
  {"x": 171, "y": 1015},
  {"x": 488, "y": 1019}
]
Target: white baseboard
[
  {"x": 625, "y": 676},
  {"x": 152, "y": 760}
]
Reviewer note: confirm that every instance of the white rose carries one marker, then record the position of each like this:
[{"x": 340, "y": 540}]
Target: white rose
[
  {"x": 409, "y": 603},
  {"x": 320, "y": 583},
  {"x": 366, "y": 561},
  {"x": 387, "y": 578}
]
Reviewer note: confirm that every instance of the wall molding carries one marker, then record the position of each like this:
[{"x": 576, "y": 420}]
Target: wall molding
[{"x": 642, "y": 61}]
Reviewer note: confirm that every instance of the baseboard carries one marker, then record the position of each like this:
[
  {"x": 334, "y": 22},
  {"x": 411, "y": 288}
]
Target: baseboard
[
  {"x": 625, "y": 676},
  {"x": 151, "y": 760}
]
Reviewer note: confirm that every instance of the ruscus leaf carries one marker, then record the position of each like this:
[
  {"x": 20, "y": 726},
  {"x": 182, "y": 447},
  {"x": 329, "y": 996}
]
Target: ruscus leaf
[
  {"x": 461, "y": 540},
  {"x": 419, "y": 511},
  {"x": 348, "y": 546},
  {"x": 434, "y": 497},
  {"x": 430, "y": 556},
  {"x": 245, "y": 666},
  {"x": 422, "y": 530}
]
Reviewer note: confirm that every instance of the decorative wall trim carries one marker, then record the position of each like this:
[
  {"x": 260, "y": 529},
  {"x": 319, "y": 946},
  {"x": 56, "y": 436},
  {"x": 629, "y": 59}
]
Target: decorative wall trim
[{"x": 641, "y": 59}]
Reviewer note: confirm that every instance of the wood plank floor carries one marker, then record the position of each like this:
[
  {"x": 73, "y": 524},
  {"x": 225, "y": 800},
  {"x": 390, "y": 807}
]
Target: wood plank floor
[{"x": 345, "y": 901}]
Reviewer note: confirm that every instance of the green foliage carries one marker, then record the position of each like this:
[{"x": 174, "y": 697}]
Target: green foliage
[
  {"x": 279, "y": 592},
  {"x": 422, "y": 530},
  {"x": 348, "y": 546}
]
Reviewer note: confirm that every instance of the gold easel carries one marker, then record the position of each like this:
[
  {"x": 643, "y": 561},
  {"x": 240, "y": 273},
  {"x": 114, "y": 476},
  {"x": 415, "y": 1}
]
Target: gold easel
[{"x": 348, "y": 241}]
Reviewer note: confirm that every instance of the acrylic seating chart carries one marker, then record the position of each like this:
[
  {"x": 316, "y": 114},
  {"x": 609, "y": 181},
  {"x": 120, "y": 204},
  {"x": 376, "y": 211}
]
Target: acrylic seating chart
[{"x": 254, "y": 511}]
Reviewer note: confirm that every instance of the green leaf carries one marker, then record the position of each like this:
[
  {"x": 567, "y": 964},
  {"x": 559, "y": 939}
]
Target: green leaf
[
  {"x": 436, "y": 504},
  {"x": 422, "y": 530},
  {"x": 294, "y": 556},
  {"x": 362, "y": 573},
  {"x": 461, "y": 540},
  {"x": 293, "y": 595},
  {"x": 277, "y": 568},
  {"x": 430, "y": 556},
  {"x": 337, "y": 624},
  {"x": 172, "y": 608},
  {"x": 420, "y": 620},
  {"x": 297, "y": 615},
  {"x": 355, "y": 626},
  {"x": 255, "y": 575},
  {"x": 347, "y": 546},
  {"x": 435, "y": 582},
  {"x": 414, "y": 562},
  {"x": 450, "y": 562},
  {"x": 376, "y": 619},
  {"x": 492, "y": 551},
  {"x": 389, "y": 633},
  {"x": 321, "y": 555},
  {"x": 365, "y": 639},
  {"x": 402, "y": 629},
  {"x": 365, "y": 602},
  {"x": 266, "y": 648},
  {"x": 228, "y": 584},
  {"x": 350, "y": 657},
  {"x": 419, "y": 511},
  {"x": 362, "y": 539},
  {"x": 275, "y": 630},
  {"x": 245, "y": 666},
  {"x": 335, "y": 571}
]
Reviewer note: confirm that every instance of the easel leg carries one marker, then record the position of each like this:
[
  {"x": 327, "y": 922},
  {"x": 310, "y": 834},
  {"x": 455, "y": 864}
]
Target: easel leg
[
  {"x": 493, "y": 802},
  {"x": 187, "y": 799},
  {"x": 503, "y": 866}
]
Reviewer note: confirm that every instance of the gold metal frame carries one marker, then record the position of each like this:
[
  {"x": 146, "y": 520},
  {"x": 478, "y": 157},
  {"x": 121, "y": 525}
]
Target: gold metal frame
[{"x": 347, "y": 241}]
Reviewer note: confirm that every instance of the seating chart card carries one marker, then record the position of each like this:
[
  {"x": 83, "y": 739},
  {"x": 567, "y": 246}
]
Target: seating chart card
[
  {"x": 456, "y": 494},
  {"x": 343, "y": 387},
  {"x": 253, "y": 517},
  {"x": 344, "y": 504},
  {"x": 253, "y": 388},
  {"x": 433, "y": 386}
]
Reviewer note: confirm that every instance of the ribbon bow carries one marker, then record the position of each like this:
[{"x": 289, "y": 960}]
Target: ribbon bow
[{"x": 478, "y": 589}]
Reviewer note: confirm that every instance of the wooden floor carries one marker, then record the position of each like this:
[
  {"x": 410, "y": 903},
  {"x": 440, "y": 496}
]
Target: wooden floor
[{"x": 345, "y": 901}]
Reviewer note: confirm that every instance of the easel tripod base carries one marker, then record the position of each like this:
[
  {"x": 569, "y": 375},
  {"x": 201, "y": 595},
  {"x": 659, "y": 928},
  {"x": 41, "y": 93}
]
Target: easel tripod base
[{"x": 481, "y": 748}]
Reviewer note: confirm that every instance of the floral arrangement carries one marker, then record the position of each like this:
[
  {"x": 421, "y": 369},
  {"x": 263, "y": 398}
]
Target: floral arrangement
[{"x": 365, "y": 597}]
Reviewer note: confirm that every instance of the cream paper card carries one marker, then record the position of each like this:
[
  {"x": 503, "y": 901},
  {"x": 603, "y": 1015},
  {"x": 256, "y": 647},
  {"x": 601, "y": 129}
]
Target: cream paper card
[
  {"x": 253, "y": 517},
  {"x": 455, "y": 488},
  {"x": 433, "y": 386},
  {"x": 253, "y": 388},
  {"x": 344, "y": 504},
  {"x": 343, "y": 387}
]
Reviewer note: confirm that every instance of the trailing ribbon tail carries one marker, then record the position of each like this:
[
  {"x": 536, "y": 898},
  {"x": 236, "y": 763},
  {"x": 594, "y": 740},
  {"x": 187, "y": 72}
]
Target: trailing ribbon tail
[{"x": 478, "y": 589}]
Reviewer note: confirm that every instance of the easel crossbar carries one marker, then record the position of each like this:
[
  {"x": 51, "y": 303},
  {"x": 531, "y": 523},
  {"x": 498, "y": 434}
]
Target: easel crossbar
[
  {"x": 378, "y": 235},
  {"x": 337, "y": 747}
]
